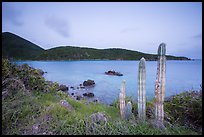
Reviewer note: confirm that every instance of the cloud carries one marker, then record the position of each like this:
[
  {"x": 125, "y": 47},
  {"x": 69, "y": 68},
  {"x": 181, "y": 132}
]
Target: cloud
[
  {"x": 57, "y": 24},
  {"x": 11, "y": 14}
]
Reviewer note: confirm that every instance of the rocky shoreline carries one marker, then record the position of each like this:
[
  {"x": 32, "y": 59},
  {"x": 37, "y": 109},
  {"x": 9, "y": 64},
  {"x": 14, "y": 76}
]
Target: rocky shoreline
[
  {"x": 25, "y": 78},
  {"x": 80, "y": 92}
]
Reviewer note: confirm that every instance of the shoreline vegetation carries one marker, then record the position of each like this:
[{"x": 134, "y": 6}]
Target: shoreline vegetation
[
  {"x": 32, "y": 105},
  {"x": 93, "y": 60},
  {"x": 17, "y": 48}
]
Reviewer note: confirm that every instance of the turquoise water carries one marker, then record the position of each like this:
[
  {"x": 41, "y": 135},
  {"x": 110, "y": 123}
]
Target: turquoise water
[{"x": 180, "y": 76}]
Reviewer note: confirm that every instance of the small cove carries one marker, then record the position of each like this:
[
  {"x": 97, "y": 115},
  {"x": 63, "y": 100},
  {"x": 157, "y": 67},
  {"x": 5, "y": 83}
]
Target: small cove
[{"x": 180, "y": 76}]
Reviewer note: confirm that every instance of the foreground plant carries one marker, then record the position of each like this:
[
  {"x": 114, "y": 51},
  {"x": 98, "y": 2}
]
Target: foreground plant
[
  {"x": 142, "y": 90},
  {"x": 122, "y": 100},
  {"x": 160, "y": 83}
]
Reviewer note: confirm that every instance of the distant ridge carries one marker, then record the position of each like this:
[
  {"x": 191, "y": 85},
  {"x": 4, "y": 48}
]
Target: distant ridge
[{"x": 17, "y": 48}]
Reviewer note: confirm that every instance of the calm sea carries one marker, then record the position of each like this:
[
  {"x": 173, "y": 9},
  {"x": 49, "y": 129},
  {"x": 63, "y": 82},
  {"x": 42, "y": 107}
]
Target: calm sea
[{"x": 180, "y": 76}]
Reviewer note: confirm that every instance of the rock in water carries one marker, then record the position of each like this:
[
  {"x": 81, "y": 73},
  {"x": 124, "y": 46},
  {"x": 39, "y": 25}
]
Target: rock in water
[
  {"x": 89, "y": 94},
  {"x": 88, "y": 83},
  {"x": 112, "y": 72},
  {"x": 78, "y": 97}
]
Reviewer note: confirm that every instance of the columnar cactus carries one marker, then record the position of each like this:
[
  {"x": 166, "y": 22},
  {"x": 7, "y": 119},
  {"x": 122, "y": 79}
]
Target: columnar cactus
[
  {"x": 160, "y": 83},
  {"x": 122, "y": 100},
  {"x": 128, "y": 110},
  {"x": 142, "y": 90}
]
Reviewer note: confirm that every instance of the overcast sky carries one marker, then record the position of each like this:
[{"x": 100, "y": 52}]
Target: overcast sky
[{"x": 133, "y": 25}]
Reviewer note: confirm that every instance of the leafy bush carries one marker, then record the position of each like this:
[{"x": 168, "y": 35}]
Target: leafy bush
[
  {"x": 186, "y": 109},
  {"x": 6, "y": 68}
]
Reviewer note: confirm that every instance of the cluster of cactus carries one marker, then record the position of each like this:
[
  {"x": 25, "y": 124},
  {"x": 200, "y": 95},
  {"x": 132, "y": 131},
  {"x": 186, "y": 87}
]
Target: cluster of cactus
[
  {"x": 125, "y": 110},
  {"x": 142, "y": 90},
  {"x": 160, "y": 83},
  {"x": 159, "y": 86}
]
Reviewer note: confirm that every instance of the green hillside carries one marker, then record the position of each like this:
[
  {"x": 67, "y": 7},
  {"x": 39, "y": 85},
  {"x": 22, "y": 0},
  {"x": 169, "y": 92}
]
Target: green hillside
[
  {"x": 77, "y": 53},
  {"x": 16, "y": 47},
  {"x": 80, "y": 53}
]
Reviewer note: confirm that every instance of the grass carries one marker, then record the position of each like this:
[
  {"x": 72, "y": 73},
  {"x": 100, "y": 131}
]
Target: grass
[{"x": 27, "y": 109}]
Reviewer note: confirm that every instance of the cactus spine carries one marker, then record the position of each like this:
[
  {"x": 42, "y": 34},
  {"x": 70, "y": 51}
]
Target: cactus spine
[
  {"x": 142, "y": 90},
  {"x": 122, "y": 100},
  {"x": 160, "y": 83},
  {"x": 128, "y": 110}
]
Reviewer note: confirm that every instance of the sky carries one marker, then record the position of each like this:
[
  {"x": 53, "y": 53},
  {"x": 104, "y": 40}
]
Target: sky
[{"x": 138, "y": 26}]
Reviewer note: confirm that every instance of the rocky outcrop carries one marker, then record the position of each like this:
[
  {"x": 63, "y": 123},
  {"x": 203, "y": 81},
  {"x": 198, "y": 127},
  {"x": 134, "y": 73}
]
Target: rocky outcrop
[
  {"x": 63, "y": 88},
  {"x": 88, "y": 94},
  {"x": 76, "y": 96},
  {"x": 96, "y": 121},
  {"x": 114, "y": 73},
  {"x": 81, "y": 86},
  {"x": 89, "y": 83}
]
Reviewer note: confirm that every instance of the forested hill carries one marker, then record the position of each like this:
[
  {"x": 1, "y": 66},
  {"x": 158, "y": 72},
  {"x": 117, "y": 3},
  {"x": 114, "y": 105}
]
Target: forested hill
[
  {"x": 79, "y": 53},
  {"x": 17, "y": 48}
]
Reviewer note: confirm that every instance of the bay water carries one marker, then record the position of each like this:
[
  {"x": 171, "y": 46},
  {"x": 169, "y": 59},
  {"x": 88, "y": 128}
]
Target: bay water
[{"x": 180, "y": 76}]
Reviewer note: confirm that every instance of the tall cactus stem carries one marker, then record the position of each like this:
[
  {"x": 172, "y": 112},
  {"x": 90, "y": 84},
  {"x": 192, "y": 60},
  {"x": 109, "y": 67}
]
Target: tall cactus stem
[
  {"x": 160, "y": 83},
  {"x": 122, "y": 100},
  {"x": 142, "y": 90}
]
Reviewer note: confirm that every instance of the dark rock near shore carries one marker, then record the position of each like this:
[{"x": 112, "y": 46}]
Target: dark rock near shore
[
  {"x": 78, "y": 97},
  {"x": 72, "y": 87},
  {"x": 89, "y": 94},
  {"x": 89, "y": 83},
  {"x": 63, "y": 88},
  {"x": 96, "y": 100},
  {"x": 82, "y": 87}
]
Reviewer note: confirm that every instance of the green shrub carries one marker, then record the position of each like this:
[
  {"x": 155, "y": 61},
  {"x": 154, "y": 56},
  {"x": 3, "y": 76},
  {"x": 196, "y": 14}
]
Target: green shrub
[{"x": 186, "y": 109}]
